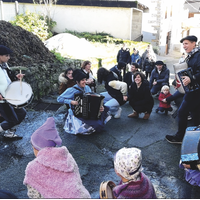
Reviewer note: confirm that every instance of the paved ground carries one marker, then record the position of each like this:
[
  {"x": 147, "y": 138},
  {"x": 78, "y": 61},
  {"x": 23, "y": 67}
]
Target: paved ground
[{"x": 94, "y": 153}]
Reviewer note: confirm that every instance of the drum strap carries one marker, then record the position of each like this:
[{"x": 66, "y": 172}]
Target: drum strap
[{"x": 3, "y": 66}]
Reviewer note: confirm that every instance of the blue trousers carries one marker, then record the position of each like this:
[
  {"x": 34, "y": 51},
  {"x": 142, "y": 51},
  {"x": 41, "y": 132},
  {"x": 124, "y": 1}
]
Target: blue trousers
[{"x": 12, "y": 116}]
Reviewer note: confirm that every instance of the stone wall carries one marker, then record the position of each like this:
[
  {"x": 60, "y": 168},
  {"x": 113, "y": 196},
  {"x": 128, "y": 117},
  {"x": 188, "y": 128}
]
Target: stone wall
[{"x": 43, "y": 78}]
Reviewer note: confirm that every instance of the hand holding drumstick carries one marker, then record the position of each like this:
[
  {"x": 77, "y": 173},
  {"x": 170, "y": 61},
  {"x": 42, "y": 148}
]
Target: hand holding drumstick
[{"x": 20, "y": 76}]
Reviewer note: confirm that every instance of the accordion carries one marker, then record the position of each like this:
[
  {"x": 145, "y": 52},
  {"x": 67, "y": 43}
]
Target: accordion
[
  {"x": 88, "y": 105},
  {"x": 183, "y": 70},
  {"x": 193, "y": 85},
  {"x": 190, "y": 149}
]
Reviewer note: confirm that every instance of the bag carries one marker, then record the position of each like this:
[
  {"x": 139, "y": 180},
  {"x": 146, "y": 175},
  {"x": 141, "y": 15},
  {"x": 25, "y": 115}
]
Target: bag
[{"x": 75, "y": 126}]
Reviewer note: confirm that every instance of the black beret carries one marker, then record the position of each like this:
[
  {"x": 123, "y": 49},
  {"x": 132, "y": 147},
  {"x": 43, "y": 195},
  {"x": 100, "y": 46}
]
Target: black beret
[
  {"x": 78, "y": 75},
  {"x": 4, "y": 50},
  {"x": 190, "y": 38},
  {"x": 121, "y": 65},
  {"x": 159, "y": 62}
]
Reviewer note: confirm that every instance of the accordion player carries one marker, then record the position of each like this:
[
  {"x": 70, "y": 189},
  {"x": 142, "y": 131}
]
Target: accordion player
[
  {"x": 190, "y": 149},
  {"x": 88, "y": 105}
]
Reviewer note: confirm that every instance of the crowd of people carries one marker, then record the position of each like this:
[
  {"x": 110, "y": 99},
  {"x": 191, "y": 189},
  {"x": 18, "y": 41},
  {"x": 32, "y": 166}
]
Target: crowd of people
[{"x": 54, "y": 172}]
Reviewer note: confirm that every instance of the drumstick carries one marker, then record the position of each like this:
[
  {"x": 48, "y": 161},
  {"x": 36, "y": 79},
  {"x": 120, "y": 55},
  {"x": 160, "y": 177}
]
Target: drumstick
[
  {"x": 11, "y": 99},
  {"x": 21, "y": 81}
]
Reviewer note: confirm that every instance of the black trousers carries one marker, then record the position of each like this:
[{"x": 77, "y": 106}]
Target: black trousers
[{"x": 12, "y": 116}]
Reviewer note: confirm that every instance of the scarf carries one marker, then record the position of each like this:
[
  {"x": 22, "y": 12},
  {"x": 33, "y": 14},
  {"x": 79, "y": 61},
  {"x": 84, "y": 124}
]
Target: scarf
[
  {"x": 192, "y": 53},
  {"x": 55, "y": 174},
  {"x": 142, "y": 189}
]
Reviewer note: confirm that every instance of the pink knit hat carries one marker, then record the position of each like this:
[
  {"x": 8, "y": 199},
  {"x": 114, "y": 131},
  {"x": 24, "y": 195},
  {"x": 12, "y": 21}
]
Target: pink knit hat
[{"x": 46, "y": 135}]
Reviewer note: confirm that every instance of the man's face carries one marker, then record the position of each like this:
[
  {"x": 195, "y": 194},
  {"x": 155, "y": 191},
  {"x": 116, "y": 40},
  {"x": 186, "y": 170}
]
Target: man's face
[
  {"x": 124, "y": 46},
  {"x": 4, "y": 58},
  {"x": 188, "y": 45},
  {"x": 133, "y": 68},
  {"x": 159, "y": 67}
]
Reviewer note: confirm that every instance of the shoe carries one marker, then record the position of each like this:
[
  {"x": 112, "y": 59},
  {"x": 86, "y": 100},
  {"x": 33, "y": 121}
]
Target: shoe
[
  {"x": 108, "y": 118},
  {"x": 189, "y": 117},
  {"x": 133, "y": 115},
  {"x": 166, "y": 112},
  {"x": 146, "y": 116},
  {"x": 1, "y": 130},
  {"x": 118, "y": 114},
  {"x": 10, "y": 134},
  {"x": 157, "y": 95},
  {"x": 157, "y": 110},
  {"x": 172, "y": 139}
]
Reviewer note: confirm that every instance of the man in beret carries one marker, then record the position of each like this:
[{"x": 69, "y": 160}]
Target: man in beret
[
  {"x": 11, "y": 116},
  {"x": 159, "y": 77},
  {"x": 191, "y": 100}
]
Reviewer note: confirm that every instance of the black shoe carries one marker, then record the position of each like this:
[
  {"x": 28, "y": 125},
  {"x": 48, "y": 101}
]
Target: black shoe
[
  {"x": 172, "y": 139},
  {"x": 166, "y": 112},
  {"x": 157, "y": 110}
]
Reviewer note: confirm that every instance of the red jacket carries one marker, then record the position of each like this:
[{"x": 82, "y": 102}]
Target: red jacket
[{"x": 161, "y": 97}]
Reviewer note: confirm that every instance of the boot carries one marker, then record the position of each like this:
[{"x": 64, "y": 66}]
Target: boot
[
  {"x": 133, "y": 115},
  {"x": 146, "y": 116}
]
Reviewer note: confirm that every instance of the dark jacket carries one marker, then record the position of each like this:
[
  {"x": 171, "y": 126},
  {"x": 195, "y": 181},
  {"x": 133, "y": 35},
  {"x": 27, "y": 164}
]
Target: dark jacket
[
  {"x": 113, "y": 92},
  {"x": 128, "y": 79},
  {"x": 140, "y": 97},
  {"x": 117, "y": 71},
  {"x": 124, "y": 55},
  {"x": 162, "y": 78},
  {"x": 194, "y": 63},
  {"x": 148, "y": 65}
]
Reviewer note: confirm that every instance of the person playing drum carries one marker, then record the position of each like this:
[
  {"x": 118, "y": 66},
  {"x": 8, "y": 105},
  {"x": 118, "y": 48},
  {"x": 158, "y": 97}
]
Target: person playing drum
[{"x": 12, "y": 116}]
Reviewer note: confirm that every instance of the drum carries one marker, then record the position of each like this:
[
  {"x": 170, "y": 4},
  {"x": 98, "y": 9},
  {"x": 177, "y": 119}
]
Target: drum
[
  {"x": 105, "y": 190},
  {"x": 19, "y": 94}
]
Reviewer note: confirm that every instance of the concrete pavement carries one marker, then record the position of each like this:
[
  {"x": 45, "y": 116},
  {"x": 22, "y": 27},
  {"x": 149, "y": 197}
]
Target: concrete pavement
[{"x": 94, "y": 153}]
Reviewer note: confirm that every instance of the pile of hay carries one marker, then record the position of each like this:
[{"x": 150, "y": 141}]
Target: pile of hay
[{"x": 27, "y": 48}]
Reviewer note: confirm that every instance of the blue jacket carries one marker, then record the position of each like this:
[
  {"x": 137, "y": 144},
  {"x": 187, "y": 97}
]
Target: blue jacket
[
  {"x": 68, "y": 95},
  {"x": 135, "y": 58}
]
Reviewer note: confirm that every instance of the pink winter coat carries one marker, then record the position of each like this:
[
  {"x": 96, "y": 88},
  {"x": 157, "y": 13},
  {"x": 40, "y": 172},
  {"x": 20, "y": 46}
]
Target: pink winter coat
[{"x": 55, "y": 174}]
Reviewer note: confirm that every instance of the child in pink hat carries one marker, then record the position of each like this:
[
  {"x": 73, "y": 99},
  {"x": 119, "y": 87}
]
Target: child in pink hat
[{"x": 54, "y": 172}]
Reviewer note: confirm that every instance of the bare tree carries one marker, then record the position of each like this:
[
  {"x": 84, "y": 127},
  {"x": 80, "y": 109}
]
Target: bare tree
[{"x": 47, "y": 6}]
